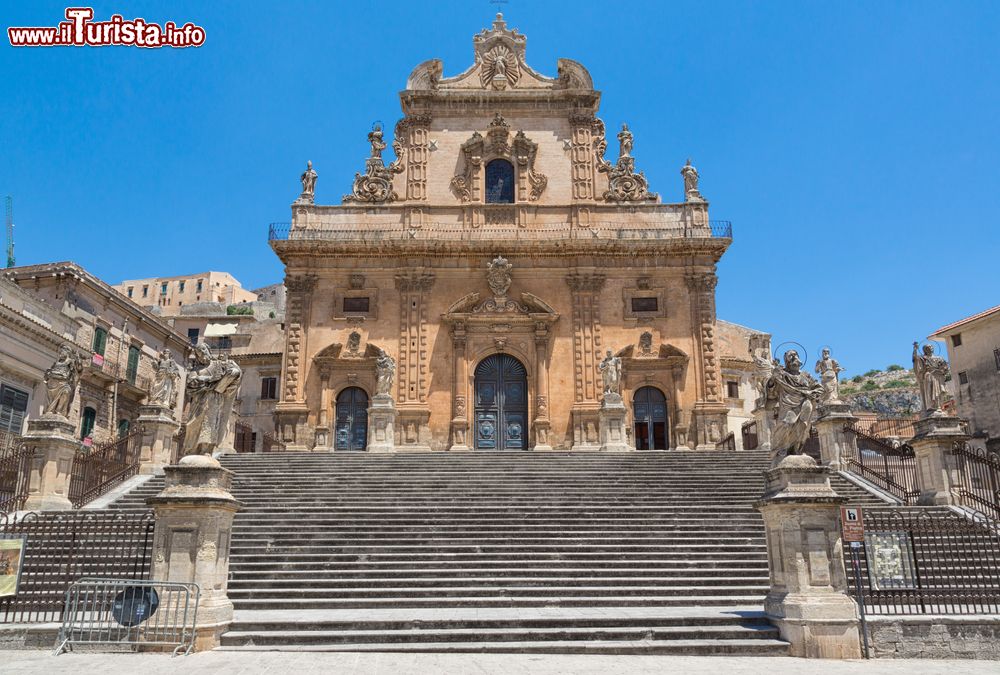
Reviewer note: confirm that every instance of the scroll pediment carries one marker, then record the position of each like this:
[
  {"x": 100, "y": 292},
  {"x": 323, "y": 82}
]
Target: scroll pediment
[
  {"x": 671, "y": 352},
  {"x": 329, "y": 353}
]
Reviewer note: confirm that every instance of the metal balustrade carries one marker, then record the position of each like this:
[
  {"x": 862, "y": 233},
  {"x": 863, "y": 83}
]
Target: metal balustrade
[
  {"x": 890, "y": 467},
  {"x": 977, "y": 478},
  {"x": 97, "y": 471}
]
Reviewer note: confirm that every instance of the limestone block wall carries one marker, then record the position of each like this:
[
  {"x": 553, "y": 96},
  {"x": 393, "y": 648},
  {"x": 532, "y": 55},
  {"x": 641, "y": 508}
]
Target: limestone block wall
[{"x": 935, "y": 637}]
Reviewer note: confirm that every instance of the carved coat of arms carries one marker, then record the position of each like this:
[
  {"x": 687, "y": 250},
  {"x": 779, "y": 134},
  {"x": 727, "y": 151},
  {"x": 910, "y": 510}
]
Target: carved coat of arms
[{"x": 498, "y": 276}]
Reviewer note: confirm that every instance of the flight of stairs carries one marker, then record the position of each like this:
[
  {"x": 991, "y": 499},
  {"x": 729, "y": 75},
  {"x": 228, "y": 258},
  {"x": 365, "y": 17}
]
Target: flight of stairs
[{"x": 658, "y": 552}]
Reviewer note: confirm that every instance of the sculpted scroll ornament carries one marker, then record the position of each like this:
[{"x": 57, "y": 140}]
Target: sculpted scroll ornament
[
  {"x": 624, "y": 184},
  {"x": 497, "y": 143},
  {"x": 375, "y": 186}
]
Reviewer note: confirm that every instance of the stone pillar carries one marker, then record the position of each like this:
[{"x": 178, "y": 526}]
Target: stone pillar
[
  {"x": 194, "y": 520},
  {"x": 763, "y": 417},
  {"x": 542, "y": 424},
  {"x": 460, "y": 384},
  {"x": 158, "y": 429},
  {"x": 324, "y": 438},
  {"x": 834, "y": 442},
  {"x": 292, "y": 413},
  {"x": 808, "y": 599},
  {"x": 709, "y": 417},
  {"x": 612, "y": 421},
  {"x": 54, "y": 444},
  {"x": 381, "y": 424},
  {"x": 933, "y": 443}
]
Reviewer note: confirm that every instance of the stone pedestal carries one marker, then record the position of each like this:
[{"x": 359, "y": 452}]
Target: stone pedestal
[
  {"x": 158, "y": 429},
  {"x": 194, "y": 521},
  {"x": 382, "y": 424},
  {"x": 834, "y": 442},
  {"x": 935, "y": 437},
  {"x": 543, "y": 432},
  {"x": 459, "y": 436},
  {"x": 291, "y": 426},
  {"x": 764, "y": 420},
  {"x": 54, "y": 445},
  {"x": 808, "y": 599},
  {"x": 612, "y": 424},
  {"x": 710, "y": 424}
]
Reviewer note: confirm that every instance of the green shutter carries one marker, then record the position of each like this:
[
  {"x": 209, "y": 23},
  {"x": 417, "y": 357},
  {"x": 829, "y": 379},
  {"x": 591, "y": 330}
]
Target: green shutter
[
  {"x": 100, "y": 340},
  {"x": 133, "y": 364},
  {"x": 13, "y": 404},
  {"x": 87, "y": 425}
]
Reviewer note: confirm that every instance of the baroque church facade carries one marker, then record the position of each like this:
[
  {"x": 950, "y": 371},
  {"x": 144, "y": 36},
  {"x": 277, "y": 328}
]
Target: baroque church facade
[{"x": 506, "y": 249}]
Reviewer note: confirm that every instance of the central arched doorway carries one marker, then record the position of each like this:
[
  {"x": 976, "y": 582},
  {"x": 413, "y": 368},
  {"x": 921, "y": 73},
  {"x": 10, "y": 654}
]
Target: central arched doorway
[
  {"x": 352, "y": 420},
  {"x": 649, "y": 409},
  {"x": 501, "y": 404}
]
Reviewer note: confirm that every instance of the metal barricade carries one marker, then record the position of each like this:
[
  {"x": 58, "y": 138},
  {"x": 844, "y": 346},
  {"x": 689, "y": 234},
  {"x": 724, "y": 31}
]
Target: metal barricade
[{"x": 130, "y": 613}]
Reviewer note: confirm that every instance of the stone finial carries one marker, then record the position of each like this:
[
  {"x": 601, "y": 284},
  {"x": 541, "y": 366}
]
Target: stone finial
[{"x": 374, "y": 186}]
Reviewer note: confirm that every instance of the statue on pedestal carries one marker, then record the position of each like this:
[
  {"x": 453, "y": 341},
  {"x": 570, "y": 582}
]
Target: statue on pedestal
[
  {"x": 829, "y": 376},
  {"x": 611, "y": 373},
  {"x": 308, "y": 179},
  {"x": 385, "y": 371},
  {"x": 690, "y": 174},
  {"x": 763, "y": 367},
  {"x": 795, "y": 395},
  {"x": 164, "y": 389},
  {"x": 931, "y": 372},
  {"x": 212, "y": 385},
  {"x": 61, "y": 380}
]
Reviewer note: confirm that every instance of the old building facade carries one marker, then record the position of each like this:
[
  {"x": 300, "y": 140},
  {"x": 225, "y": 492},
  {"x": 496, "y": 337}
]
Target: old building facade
[{"x": 497, "y": 259}]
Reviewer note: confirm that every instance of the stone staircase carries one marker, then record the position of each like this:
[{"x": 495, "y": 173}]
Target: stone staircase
[{"x": 550, "y": 552}]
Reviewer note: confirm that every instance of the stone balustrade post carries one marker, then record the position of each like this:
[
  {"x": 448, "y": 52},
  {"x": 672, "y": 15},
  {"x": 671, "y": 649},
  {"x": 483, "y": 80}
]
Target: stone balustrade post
[
  {"x": 612, "y": 424},
  {"x": 382, "y": 424},
  {"x": 933, "y": 442},
  {"x": 808, "y": 599},
  {"x": 158, "y": 428},
  {"x": 194, "y": 521},
  {"x": 54, "y": 445},
  {"x": 835, "y": 442}
]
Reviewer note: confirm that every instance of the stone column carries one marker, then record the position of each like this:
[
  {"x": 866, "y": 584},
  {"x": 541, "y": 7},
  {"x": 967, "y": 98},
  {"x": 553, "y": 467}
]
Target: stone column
[
  {"x": 834, "y": 442},
  {"x": 194, "y": 520},
  {"x": 54, "y": 444},
  {"x": 612, "y": 423},
  {"x": 324, "y": 438},
  {"x": 933, "y": 443},
  {"x": 708, "y": 419},
  {"x": 460, "y": 370},
  {"x": 381, "y": 424},
  {"x": 542, "y": 424},
  {"x": 158, "y": 429},
  {"x": 808, "y": 599}
]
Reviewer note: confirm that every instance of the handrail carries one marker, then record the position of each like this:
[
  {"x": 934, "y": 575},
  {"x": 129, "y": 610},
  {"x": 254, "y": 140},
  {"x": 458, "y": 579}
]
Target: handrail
[
  {"x": 977, "y": 476},
  {"x": 892, "y": 468},
  {"x": 97, "y": 471}
]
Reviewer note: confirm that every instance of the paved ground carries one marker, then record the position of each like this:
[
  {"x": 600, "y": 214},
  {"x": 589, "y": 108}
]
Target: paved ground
[{"x": 278, "y": 663}]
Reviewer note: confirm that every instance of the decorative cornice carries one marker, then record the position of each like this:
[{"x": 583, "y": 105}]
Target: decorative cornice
[
  {"x": 582, "y": 282},
  {"x": 414, "y": 282}
]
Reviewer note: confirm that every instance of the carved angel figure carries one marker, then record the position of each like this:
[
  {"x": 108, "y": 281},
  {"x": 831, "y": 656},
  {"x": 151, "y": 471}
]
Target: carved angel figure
[
  {"x": 611, "y": 373},
  {"x": 385, "y": 371},
  {"x": 931, "y": 372},
  {"x": 166, "y": 374},
  {"x": 61, "y": 380},
  {"x": 795, "y": 395},
  {"x": 212, "y": 385}
]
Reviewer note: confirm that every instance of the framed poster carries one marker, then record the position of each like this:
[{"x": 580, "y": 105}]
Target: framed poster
[
  {"x": 890, "y": 561},
  {"x": 11, "y": 562}
]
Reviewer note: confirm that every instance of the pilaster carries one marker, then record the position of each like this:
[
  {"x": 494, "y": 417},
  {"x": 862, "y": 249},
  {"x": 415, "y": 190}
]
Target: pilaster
[
  {"x": 53, "y": 445},
  {"x": 291, "y": 414},
  {"x": 933, "y": 446},
  {"x": 413, "y": 412},
  {"x": 585, "y": 291},
  {"x": 710, "y": 412}
]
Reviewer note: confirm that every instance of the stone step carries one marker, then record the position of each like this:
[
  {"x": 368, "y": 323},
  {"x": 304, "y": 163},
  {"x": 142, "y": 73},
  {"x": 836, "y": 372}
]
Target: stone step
[
  {"x": 637, "y": 601},
  {"x": 705, "y": 647},
  {"x": 503, "y": 591}
]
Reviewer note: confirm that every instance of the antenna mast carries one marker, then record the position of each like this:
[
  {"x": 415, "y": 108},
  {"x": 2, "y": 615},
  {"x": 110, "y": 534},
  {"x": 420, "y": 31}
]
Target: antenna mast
[{"x": 10, "y": 231}]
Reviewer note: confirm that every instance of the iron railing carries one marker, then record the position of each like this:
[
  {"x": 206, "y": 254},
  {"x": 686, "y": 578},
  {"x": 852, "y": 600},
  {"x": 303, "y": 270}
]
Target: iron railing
[
  {"x": 608, "y": 231},
  {"x": 927, "y": 561},
  {"x": 751, "y": 440},
  {"x": 891, "y": 468},
  {"x": 120, "y": 372},
  {"x": 244, "y": 438},
  {"x": 97, "y": 471},
  {"x": 977, "y": 478},
  {"x": 15, "y": 466},
  {"x": 130, "y": 613},
  {"x": 65, "y": 546},
  {"x": 728, "y": 443}
]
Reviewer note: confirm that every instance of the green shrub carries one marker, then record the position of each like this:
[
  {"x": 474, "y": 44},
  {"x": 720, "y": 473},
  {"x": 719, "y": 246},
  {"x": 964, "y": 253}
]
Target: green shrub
[
  {"x": 893, "y": 368},
  {"x": 896, "y": 384},
  {"x": 872, "y": 372},
  {"x": 857, "y": 379},
  {"x": 239, "y": 310},
  {"x": 869, "y": 386}
]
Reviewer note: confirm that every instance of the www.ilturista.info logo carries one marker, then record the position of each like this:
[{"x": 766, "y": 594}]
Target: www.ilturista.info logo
[{"x": 80, "y": 31}]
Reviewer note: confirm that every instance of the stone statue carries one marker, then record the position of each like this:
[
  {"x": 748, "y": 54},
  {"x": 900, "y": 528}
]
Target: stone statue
[
  {"x": 624, "y": 142},
  {"x": 378, "y": 145},
  {"x": 498, "y": 276},
  {"x": 795, "y": 395},
  {"x": 611, "y": 372},
  {"x": 690, "y": 174},
  {"x": 164, "y": 389},
  {"x": 61, "y": 380},
  {"x": 829, "y": 376},
  {"x": 931, "y": 372},
  {"x": 385, "y": 371},
  {"x": 212, "y": 385},
  {"x": 763, "y": 367},
  {"x": 308, "y": 179}
]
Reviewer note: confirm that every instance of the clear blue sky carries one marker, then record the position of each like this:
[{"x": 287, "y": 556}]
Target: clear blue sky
[{"x": 854, "y": 145}]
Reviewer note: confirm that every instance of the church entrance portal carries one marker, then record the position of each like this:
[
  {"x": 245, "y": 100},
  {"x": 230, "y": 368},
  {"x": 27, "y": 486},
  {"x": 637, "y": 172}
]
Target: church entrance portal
[
  {"x": 501, "y": 404},
  {"x": 352, "y": 419},
  {"x": 649, "y": 408}
]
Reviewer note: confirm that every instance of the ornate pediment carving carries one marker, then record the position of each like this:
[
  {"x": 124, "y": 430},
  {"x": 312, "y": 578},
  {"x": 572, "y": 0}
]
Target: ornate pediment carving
[
  {"x": 624, "y": 184},
  {"x": 375, "y": 185},
  {"x": 497, "y": 143}
]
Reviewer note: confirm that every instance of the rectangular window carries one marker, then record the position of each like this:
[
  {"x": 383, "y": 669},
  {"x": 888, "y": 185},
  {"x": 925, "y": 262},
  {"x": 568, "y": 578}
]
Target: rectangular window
[
  {"x": 645, "y": 304},
  {"x": 732, "y": 389},
  {"x": 193, "y": 336},
  {"x": 963, "y": 377},
  {"x": 130, "y": 289},
  {"x": 145, "y": 291},
  {"x": 100, "y": 340},
  {"x": 163, "y": 288},
  {"x": 199, "y": 287},
  {"x": 268, "y": 388},
  {"x": 87, "y": 421},
  {"x": 13, "y": 405},
  {"x": 133, "y": 364},
  {"x": 956, "y": 340},
  {"x": 996, "y": 357},
  {"x": 180, "y": 286},
  {"x": 357, "y": 305}
]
